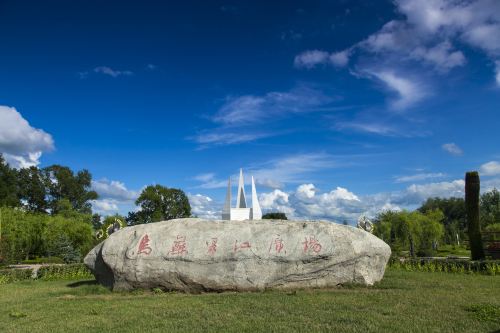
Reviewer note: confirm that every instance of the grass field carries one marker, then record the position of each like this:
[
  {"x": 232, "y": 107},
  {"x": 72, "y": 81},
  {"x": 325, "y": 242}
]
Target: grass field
[{"x": 403, "y": 301}]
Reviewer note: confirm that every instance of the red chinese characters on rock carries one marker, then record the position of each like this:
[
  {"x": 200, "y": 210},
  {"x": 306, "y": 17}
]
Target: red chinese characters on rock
[
  {"x": 241, "y": 246},
  {"x": 212, "y": 246},
  {"x": 179, "y": 247},
  {"x": 144, "y": 246},
  {"x": 277, "y": 245},
  {"x": 311, "y": 244}
]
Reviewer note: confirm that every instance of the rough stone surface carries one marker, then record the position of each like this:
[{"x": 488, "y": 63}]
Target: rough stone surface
[{"x": 203, "y": 255}]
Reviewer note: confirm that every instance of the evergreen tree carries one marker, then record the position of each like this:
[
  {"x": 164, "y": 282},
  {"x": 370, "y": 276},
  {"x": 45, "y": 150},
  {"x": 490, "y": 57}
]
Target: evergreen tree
[
  {"x": 8, "y": 185},
  {"x": 472, "y": 186}
]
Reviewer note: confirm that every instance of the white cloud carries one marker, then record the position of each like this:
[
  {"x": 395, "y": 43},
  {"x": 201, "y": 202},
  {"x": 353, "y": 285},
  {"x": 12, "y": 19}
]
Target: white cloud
[
  {"x": 239, "y": 118},
  {"x": 105, "y": 206},
  {"x": 419, "y": 177},
  {"x": 313, "y": 58},
  {"x": 291, "y": 168},
  {"x": 111, "y": 72},
  {"x": 452, "y": 148},
  {"x": 490, "y": 169},
  {"x": 250, "y": 109},
  {"x": 497, "y": 72},
  {"x": 204, "y": 207},
  {"x": 274, "y": 173},
  {"x": 309, "y": 59},
  {"x": 340, "y": 59},
  {"x": 114, "y": 190},
  {"x": 408, "y": 91},
  {"x": 441, "y": 55},
  {"x": 219, "y": 137},
  {"x": 428, "y": 33},
  {"x": 307, "y": 202},
  {"x": 21, "y": 144}
]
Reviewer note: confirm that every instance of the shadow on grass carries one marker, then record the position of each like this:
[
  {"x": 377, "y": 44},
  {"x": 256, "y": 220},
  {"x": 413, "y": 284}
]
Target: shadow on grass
[{"x": 82, "y": 283}]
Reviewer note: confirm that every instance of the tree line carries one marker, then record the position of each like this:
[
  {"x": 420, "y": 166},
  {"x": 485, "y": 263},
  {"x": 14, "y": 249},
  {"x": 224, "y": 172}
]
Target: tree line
[
  {"x": 47, "y": 212},
  {"x": 436, "y": 222}
]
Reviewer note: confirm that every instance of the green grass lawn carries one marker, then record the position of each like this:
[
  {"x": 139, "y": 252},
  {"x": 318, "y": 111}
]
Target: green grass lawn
[{"x": 403, "y": 301}]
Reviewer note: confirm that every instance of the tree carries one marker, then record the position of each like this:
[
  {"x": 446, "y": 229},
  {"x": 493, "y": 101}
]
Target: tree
[
  {"x": 8, "y": 185},
  {"x": 413, "y": 231},
  {"x": 472, "y": 186},
  {"x": 32, "y": 190},
  {"x": 275, "y": 216},
  {"x": 160, "y": 203},
  {"x": 454, "y": 220},
  {"x": 490, "y": 208},
  {"x": 62, "y": 183}
]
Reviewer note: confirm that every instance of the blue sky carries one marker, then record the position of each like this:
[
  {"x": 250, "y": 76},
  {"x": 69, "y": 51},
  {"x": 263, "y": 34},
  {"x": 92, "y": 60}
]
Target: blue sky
[{"x": 337, "y": 108}]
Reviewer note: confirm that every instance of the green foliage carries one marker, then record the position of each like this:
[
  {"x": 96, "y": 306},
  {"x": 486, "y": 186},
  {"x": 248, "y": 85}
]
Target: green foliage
[
  {"x": 32, "y": 190},
  {"x": 30, "y": 235},
  {"x": 472, "y": 186},
  {"x": 14, "y": 275},
  {"x": 160, "y": 203},
  {"x": 64, "y": 249},
  {"x": 488, "y": 267},
  {"x": 454, "y": 221},
  {"x": 43, "y": 260},
  {"x": 64, "y": 272},
  {"x": 415, "y": 232},
  {"x": 275, "y": 216},
  {"x": 8, "y": 185},
  {"x": 46, "y": 273},
  {"x": 490, "y": 208},
  {"x": 62, "y": 183},
  {"x": 495, "y": 227}
]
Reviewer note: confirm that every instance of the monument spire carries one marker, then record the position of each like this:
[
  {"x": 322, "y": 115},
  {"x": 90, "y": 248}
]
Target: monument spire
[
  {"x": 256, "y": 211},
  {"x": 241, "y": 201}
]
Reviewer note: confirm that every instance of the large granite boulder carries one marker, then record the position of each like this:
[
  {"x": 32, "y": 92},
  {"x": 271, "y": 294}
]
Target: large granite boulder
[{"x": 202, "y": 255}]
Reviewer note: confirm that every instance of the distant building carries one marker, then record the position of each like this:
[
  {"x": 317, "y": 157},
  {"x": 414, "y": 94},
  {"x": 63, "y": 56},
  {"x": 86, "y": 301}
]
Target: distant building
[{"x": 241, "y": 211}]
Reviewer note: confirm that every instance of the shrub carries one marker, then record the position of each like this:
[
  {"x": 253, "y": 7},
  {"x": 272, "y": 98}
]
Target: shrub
[
  {"x": 490, "y": 267},
  {"x": 13, "y": 275},
  {"x": 64, "y": 272}
]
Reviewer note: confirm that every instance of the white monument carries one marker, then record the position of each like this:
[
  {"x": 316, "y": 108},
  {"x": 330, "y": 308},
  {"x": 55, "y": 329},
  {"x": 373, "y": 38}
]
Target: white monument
[{"x": 241, "y": 211}]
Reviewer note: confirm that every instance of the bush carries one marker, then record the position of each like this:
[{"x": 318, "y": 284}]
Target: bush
[
  {"x": 43, "y": 260},
  {"x": 64, "y": 272},
  {"x": 489, "y": 267},
  {"x": 13, "y": 275},
  {"x": 30, "y": 235}
]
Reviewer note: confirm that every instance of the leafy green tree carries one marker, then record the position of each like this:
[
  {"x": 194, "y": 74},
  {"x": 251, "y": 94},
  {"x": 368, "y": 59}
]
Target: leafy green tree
[
  {"x": 490, "y": 208},
  {"x": 275, "y": 216},
  {"x": 454, "y": 219},
  {"x": 32, "y": 190},
  {"x": 415, "y": 232},
  {"x": 96, "y": 221},
  {"x": 160, "y": 203},
  {"x": 8, "y": 185},
  {"x": 62, "y": 183}
]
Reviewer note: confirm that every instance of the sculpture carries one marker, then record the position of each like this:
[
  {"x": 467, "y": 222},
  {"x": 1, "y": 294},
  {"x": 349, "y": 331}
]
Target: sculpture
[
  {"x": 241, "y": 211},
  {"x": 365, "y": 224}
]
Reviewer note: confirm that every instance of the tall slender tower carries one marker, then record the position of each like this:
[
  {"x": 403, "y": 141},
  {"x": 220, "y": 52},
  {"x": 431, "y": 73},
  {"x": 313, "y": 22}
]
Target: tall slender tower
[
  {"x": 226, "y": 211},
  {"x": 241, "y": 201},
  {"x": 241, "y": 212},
  {"x": 256, "y": 211}
]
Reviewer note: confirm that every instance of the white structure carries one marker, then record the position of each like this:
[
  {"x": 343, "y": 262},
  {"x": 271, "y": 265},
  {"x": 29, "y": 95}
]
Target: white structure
[{"x": 241, "y": 211}]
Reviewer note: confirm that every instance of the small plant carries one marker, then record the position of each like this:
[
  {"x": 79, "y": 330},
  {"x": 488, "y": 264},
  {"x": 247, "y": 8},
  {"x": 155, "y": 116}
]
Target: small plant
[
  {"x": 157, "y": 291},
  {"x": 17, "y": 314}
]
